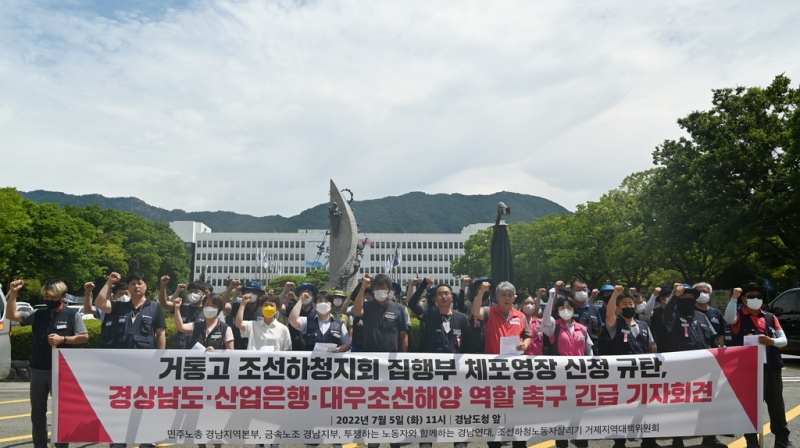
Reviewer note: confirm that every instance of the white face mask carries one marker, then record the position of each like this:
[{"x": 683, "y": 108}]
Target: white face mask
[
  {"x": 337, "y": 302},
  {"x": 194, "y": 297},
  {"x": 528, "y": 309},
  {"x": 581, "y": 296},
  {"x": 210, "y": 312},
  {"x": 704, "y": 298},
  {"x": 308, "y": 299},
  {"x": 565, "y": 314},
  {"x": 381, "y": 295},
  {"x": 125, "y": 298},
  {"x": 640, "y": 308},
  {"x": 323, "y": 308},
  {"x": 754, "y": 304}
]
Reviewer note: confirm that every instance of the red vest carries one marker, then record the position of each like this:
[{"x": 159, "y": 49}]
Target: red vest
[{"x": 498, "y": 326}]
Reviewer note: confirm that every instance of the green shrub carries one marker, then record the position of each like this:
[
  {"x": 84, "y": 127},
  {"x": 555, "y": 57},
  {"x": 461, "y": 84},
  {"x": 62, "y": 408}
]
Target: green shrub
[{"x": 22, "y": 337}]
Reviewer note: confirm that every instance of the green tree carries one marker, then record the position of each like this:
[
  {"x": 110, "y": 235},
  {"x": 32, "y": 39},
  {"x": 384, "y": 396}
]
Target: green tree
[
  {"x": 476, "y": 261},
  {"x": 13, "y": 221},
  {"x": 730, "y": 189},
  {"x": 277, "y": 283},
  {"x": 55, "y": 245},
  {"x": 319, "y": 277}
]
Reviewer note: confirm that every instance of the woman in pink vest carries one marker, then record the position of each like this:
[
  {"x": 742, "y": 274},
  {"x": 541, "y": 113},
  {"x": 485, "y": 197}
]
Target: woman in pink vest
[
  {"x": 530, "y": 310},
  {"x": 564, "y": 336},
  {"x": 569, "y": 337}
]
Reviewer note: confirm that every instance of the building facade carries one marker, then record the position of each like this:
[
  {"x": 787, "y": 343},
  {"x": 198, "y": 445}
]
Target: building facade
[{"x": 265, "y": 256}]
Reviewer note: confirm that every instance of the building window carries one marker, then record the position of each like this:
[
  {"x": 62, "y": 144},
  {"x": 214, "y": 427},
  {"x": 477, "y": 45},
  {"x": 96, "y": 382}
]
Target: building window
[
  {"x": 404, "y": 245},
  {"x": 225, "y": 256},
  {"x": 197, "y": 269},
  {"x": 414, "y": 245},
  {"x": 215, "y": 256},
  {"x": 460, "y": 245},
  {"x": 215, "y": 244}
]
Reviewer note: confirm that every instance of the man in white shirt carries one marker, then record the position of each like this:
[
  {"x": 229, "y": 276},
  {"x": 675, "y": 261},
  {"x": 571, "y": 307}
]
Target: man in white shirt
[{"x": 264, "y": 333}]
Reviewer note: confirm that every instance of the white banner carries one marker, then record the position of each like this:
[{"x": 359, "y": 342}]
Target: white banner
[{"x": 247, "y": 397}]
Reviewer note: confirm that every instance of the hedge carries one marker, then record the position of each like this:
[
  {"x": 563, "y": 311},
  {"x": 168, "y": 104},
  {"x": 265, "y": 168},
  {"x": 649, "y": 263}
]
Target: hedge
[{"x": 21, "y": 337}]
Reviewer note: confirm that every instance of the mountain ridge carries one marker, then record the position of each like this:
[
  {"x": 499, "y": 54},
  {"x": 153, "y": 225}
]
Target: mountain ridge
[{"x": 413, "y": 212}]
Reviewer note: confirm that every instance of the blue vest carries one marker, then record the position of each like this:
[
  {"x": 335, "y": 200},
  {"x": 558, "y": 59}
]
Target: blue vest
[
  {"x": 696, "y": 335},
  {"x": 138, "y": 334},
  {"x": 634, "y": 345},
  {"x": 436, "y": 340},
  {"x": 314, "y": 332},
  {"x": 60, "y": 323},
  {"x": 189, "y": 314},
  {"x": 214, "y": 339}
]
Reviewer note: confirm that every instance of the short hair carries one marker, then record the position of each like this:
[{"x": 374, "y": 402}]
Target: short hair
[
  {"x": 209, "y": 287},
  {"x": 625, "y": 295},
  {"x": 120, "y": 286},
  {"x": 214, "y": 300},
  {"x": 636, "y": 295},
  {"x": 54, "y": 287},
  {"x": 561, "y": 301},
  {"x": 324, "y": 295},
  {"x": 271, "y": 298},
  {"x": 436, "y": 288},
  {"x": 710, "y": 289},
  {"x": 134, "y": 275},
  {"x": 666, "y": 291},
  {"x": 505, "y": 286},
  {"x": 577, "y": 282},
  {"x": 197, "y": 285},
  {"x": 382, "y": 280}
]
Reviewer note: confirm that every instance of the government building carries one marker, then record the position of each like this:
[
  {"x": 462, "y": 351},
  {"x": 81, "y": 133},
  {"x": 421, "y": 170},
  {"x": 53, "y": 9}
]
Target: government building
[{"x": 265, "y": 256}]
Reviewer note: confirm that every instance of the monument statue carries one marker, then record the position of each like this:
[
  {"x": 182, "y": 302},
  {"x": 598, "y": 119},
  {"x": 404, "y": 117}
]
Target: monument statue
[{"x": 345, "y": 256}]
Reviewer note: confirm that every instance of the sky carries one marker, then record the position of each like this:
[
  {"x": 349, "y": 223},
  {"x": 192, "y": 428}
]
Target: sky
[{"x": 252, "y": 106}]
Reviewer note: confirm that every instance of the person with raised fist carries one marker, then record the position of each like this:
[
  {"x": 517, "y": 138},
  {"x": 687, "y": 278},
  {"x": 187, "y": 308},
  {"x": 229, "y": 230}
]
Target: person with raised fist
[
  {"x": 55, "y": 326},
  {"x": 750, "y": 319}
]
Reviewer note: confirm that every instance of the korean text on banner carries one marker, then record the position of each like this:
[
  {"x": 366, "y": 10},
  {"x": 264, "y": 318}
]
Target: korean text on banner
[{"x": 248, "y": 397}]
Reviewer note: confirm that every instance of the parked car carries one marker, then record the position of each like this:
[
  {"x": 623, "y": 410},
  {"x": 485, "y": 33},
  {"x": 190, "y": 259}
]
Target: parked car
[
  {"x": 5, "y": 339},
  {"x": 787, "y": 308},
  {"x": 24, "y": 306},
  {"x": 81, "y": 313}
]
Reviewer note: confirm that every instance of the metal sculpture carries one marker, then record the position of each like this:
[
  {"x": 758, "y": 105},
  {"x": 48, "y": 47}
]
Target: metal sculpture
[{"x": 345, "y": 256}]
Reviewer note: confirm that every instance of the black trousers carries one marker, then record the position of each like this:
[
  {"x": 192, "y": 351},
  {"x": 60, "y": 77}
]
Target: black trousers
[
  {"x": 773, "y": 396},
  {"x": 515, "y": 444}
]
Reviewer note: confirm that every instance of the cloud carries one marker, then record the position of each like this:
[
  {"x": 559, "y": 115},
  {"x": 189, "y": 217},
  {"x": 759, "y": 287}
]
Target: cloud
[{"x": 252, "y": 106}]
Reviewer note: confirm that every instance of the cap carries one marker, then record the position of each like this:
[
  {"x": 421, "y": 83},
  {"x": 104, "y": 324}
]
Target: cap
[
  {"x": 253, "y": 286},
  {"x": 473, "y": 288},
  {"x": 306, "y": 285}
]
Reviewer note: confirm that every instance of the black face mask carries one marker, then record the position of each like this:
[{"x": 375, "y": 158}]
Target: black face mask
[
  {"x": 686, "y": 307},
  {"x": 52, "y": 304},
  {"x": 628, "y": 312},
  {"x": 605, "y": 299}
]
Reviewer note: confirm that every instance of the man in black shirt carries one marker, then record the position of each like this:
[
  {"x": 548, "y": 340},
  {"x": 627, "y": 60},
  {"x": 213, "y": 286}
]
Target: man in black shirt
[{"x": 385, "y": 324}]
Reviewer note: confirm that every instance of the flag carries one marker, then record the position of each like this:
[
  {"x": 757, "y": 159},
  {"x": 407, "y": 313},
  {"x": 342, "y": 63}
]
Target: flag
[
  {"x": 70, "y": 298},
  {"x": 398, "y": 257}
]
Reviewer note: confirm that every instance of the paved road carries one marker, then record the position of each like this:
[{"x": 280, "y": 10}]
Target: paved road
[{"x": 15, "y": 422}]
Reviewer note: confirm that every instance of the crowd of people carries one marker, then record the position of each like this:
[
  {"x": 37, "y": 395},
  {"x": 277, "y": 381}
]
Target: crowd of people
[{"x": 567, "y": 320}]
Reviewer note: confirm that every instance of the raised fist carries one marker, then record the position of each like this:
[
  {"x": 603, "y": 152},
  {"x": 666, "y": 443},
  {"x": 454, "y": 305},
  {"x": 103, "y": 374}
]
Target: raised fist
[
  {"x": 16, "y": 285},
  {"x": 288, "y": 286},
  {"x": 619, "y": 289},
  {"x": 656, "y": 292},
  {"x": 632, "y": 289},
  {"x": 428, "y": 282},
  {"x": 246, "y": 298},
  {"x": 415, "y": 281},
  {"x": 595, "y": 292},
  {"x": 177, "y": 302},
  {"x": 164, "y": 280},
  {"x": 88, "y": 287},
  {"x": 114, "y": 278},
  {"x": 465, "y": 282},
  {"x": 233, "y": 284},
  {"x": 367, "y": 278},
  {"x": 485, "y": 286},
  {"x": 181, "y": 287},
  {"x": 559, "y": 284},
  {"x": 737, "y": 292},
  {"x": 679, "y": 289}
]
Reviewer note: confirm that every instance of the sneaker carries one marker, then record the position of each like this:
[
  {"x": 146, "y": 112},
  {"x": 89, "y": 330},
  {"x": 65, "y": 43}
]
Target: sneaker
[
  {"x": 713, "y": 442},
  {"x": 619, "y": 444},
  {"x": 650, "y": 443},
  {"x": 677, "y": 442}
]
